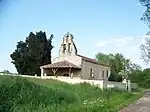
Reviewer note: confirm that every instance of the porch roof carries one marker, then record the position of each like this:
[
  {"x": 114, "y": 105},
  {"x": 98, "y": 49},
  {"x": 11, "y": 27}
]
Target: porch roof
[{"x": 61, "y": 64}]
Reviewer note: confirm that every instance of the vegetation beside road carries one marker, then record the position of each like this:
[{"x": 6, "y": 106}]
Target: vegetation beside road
[{"x": 28, "y": 94}]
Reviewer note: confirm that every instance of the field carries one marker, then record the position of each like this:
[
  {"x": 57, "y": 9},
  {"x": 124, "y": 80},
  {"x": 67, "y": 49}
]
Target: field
[{"x": 36, "y": 95}]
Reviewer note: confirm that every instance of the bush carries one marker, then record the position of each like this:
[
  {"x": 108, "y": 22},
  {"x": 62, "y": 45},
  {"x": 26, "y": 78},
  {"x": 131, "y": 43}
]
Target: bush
[{"x": 142, "y": 78}]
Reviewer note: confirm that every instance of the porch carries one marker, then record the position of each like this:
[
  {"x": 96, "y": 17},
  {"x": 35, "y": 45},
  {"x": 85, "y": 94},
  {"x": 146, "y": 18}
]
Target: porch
[{"x": 61, "y": 68}]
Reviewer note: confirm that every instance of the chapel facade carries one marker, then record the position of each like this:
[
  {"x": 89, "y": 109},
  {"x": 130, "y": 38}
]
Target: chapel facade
[{"x": 70, "y": 64}]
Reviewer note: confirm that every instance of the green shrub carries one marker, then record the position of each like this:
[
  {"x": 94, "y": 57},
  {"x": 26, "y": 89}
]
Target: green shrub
[{"x": 142, "y": 78}]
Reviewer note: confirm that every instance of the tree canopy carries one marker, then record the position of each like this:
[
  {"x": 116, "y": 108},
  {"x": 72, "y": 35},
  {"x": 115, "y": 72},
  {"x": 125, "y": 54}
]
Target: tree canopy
[
  {"x": 145, "y": 48},
  {"x": 145, "y": 51},
  {"x": 31, "y": 54},
  {"x": 118, "y": 64},
  {"x": 141, "y": 77},
  {"x": 146, "y": 14},
  {"x": 6, "y": 71}
]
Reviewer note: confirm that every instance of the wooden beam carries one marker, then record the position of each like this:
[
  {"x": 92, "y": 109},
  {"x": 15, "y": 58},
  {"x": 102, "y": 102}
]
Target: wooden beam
[
  {"x": 54, "y": 71},
  {"x": 69, "y": 72}
]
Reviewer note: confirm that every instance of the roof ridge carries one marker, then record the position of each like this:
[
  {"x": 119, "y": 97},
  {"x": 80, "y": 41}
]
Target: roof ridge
[{"x": 93, "y": 60}]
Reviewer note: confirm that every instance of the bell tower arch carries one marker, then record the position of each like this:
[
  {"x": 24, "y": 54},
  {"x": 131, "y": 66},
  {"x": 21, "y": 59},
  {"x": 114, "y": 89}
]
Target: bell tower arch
[{"x": 68, "y": 47}]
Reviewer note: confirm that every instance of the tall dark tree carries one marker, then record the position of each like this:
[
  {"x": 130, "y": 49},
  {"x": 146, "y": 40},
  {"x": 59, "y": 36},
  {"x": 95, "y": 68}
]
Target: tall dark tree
[{"x": 33, "y": 53}]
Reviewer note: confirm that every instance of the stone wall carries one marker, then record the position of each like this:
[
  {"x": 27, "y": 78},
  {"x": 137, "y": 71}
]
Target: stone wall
[
  {"x": 76, "y": 80},
  {"x": 96, "y": 69},
  {"x": 111, "y": 84}
]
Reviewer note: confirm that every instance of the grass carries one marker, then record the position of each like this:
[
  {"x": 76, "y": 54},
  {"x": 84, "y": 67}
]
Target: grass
[{"x": 36, "y": 95}]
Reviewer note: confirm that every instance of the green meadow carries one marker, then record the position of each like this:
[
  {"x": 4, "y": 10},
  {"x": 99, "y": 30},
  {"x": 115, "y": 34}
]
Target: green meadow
[{"x": 19, "y": 94}]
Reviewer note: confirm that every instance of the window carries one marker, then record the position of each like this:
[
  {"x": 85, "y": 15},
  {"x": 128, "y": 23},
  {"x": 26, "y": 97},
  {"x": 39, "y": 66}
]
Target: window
[
  {"x": 102, "y": 74},
  {"x": 64, "y": 47},
  {"x": 107, "y": 73},
  {"x": 91, "y": 73},
  {"x": 69, "y": 47}
]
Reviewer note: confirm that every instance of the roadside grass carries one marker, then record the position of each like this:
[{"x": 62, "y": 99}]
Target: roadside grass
[{"x": 42, "y": 95}]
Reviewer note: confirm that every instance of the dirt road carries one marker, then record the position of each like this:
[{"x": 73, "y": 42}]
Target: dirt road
[{"x": 142, "y": 105}]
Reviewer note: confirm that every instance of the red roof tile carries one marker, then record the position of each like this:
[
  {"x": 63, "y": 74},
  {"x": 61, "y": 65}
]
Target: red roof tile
[
  {"x": 61, "y": 64},
  {"x": 94, "y": 61}
]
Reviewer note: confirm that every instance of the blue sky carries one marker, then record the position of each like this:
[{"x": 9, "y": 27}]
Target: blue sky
[{"x": 107, "y": 26}]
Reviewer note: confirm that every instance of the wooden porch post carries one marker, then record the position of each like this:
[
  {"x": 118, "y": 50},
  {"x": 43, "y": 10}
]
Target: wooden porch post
[
  {"x": 54, "y": 71},
  {"x": 70, "y": 74},
  {"x": 42, "y": 72}
]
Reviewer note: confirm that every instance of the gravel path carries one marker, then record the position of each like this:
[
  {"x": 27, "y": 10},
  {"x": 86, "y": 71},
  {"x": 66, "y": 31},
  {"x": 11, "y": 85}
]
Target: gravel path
[{"x": 142, "y": 105}]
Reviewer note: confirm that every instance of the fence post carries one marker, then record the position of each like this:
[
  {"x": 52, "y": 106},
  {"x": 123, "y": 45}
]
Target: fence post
[{"x": 129, "y": 85}]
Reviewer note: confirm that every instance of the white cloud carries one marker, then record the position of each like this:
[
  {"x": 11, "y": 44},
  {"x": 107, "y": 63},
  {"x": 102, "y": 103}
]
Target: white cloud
[
  {"x": 114, "y": 41},
  {"x": 128, "y": 46},
  {"x": 143, "y": 38},
  {"x": 146, "y": 36},
  {"x": 138, "y": 4}
]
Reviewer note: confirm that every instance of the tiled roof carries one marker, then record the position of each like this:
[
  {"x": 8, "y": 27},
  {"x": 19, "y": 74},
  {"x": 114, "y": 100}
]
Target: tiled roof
[
  {"x": 61, "y": 64},
  {"x": 94, "y": 61}
]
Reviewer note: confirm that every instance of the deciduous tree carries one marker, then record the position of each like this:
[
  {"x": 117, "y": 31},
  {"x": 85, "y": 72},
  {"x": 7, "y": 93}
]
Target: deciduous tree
[
  {"x": 145, "y": 51},
  {"x": 118, "y": 64},
  {"x": 146, "y": 14}
]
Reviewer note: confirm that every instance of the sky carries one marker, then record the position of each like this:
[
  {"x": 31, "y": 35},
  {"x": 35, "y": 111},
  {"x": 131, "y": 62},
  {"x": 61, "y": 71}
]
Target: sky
[{"x": 107, "y": 26}]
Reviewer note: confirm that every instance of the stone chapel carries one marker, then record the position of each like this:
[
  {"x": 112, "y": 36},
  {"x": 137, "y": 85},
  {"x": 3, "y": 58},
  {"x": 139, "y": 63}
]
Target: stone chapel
[{"x": 70, "y": 64}]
